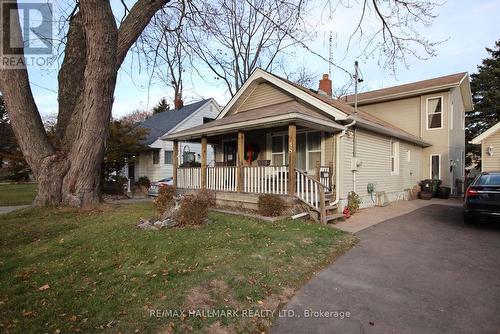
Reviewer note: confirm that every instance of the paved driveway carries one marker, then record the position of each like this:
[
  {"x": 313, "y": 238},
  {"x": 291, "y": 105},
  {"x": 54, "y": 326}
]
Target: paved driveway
[{"x": 424, "y": 272}]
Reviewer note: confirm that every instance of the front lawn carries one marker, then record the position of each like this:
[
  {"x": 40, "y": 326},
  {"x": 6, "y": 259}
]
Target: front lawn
[
  {"x": 67, "y": 271},
  {"x": 17, "y": 194}
]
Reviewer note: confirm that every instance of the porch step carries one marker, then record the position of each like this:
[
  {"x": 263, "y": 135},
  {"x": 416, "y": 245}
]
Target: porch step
[
  {"x": 333, "y": 218},
  {"x": 331, "y": 207}
]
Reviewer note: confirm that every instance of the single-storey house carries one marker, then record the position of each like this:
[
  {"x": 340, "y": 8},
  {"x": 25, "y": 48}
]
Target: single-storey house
[
  {"x": 275, "y": 136},
  {"x": 156, "y": 161},
  {"x": 490, "y": 148}
]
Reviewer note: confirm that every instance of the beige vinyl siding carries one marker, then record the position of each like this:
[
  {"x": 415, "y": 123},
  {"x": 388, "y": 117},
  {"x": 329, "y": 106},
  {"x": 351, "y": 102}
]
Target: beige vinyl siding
[
  {"x": 374, "y": 153},
  {"x": 329, "y": 151},
  {"x": 264, "y": 94},
  {"x": 404, "y": 113},
  {"x": 491, "y": 163}
]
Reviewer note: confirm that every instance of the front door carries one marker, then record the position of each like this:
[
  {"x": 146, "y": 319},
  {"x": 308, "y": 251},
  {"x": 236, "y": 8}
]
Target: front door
[
  {"x": 131, "y": 171},
  {"x": 230, "y": 153}
]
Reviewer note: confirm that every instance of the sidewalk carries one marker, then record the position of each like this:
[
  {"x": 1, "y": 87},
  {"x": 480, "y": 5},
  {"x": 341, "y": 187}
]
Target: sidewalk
[
  {"x": 371, "y": 216},
  {"x": 7, "y": 209}
]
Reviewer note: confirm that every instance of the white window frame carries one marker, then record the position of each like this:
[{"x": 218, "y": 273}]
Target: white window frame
[
  {"x": 408, "y": 155},
  {"x": 283, "y": 152},
  {"x": 462, "y": 119},
  {"x": 427, "y": 112},
  {"x": 165, "y": 157},
  {"x": 394, "y": 154},
  {"x": 430, "y": 165},
  {"x": 306, "y": 132}
]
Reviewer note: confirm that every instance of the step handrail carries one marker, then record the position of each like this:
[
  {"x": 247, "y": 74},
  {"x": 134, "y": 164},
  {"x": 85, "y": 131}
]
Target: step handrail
[{"x": 314, "y": 197}]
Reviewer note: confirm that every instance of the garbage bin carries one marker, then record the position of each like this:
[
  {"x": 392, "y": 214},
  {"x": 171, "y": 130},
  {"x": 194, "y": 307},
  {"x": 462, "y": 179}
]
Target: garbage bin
[
  {"x": 426, "y": 186},
  {"x": 435, "y": 184},
  {"x": 444, "y": 192}
]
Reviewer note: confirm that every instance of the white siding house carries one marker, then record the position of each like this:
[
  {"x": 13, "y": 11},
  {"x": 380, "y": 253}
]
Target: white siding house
[{"x": 156, "y": 162}]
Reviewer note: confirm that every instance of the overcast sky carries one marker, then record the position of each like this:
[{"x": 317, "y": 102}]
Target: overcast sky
[{"x": 468, "y": 26}]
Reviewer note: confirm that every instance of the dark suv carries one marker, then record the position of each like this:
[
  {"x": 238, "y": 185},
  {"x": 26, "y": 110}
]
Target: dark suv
[{"x": 482, "y": 198}]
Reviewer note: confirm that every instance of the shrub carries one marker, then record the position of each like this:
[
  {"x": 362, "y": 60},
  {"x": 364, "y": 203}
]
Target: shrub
[
  {"x": 353, "y": 202},
  {"x": 193, "y": 209},
  {"x": 144, "y": 181},
  {"x": 165, "y": 200},
  {"x": 271, "y": 205}
]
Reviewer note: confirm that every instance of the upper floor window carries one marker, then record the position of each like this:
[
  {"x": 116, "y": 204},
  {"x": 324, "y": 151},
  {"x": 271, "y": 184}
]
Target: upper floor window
[
  {"x": 156, "y": 157},
  {"x": 451, "y": 117},
  {"x": 435, "y": 113},
  {"x": 207, "y": 119}
]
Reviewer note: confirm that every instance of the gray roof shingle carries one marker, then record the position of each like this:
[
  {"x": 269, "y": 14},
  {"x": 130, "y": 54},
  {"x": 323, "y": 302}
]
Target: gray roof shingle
[{"x": 159, "y": 124}]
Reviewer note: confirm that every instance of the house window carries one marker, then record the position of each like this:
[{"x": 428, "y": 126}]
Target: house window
[
  {"x": 462, "y": 119},
  {"x": 313, "y": 149},
  {"x": 435, "y": 167},
  {"x": 394, "y": 157},
  {"x": 207, "y": 119},
  {"x": 169, "y": 157},
  {"x": 156, "y": 157},
  {"x": 279, "y": 150},
  {"x": 408, "y": 155},
  {"x": 188, "y": 157},
  {"x": 435, "y": 113}
]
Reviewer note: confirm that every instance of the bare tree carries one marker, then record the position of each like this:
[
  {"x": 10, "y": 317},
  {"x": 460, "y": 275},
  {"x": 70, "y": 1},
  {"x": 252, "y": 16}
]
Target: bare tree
[
  {"x": 163, "y": 49},
  {"x": 68, "y": 170},
  {"x": 234, "y": 37}
]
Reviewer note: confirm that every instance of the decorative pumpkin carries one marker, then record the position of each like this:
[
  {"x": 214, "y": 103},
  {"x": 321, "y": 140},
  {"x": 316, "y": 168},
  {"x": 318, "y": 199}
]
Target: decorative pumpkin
[{"x": 251, "y": 152}]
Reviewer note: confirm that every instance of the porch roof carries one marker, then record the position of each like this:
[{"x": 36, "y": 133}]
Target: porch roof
[{"x": 264, "y": 117}]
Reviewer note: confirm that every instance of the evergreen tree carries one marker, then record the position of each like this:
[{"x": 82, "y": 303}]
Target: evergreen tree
[
  {"x": 161, "y": 106},
  {"x": 485, "y": 85}
]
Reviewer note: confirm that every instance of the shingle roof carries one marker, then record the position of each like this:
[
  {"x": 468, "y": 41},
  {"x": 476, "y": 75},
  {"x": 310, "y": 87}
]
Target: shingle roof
[
  {"x": 159, "y": 124},
  {"x": 344, "y": 107},
  {"x": 447, "y": 80}
]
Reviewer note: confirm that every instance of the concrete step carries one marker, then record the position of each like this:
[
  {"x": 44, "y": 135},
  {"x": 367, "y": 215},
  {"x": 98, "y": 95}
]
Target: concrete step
[{"x": 333, "y": 218}]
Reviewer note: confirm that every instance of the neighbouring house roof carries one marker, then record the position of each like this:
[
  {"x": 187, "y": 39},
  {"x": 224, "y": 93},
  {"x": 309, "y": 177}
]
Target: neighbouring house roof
[
  {"x": 486, "y": 134},
  {"x": 333, "y": 110},
  {"x": 161, "y": 123},
  {"x": 417, "y": 88}
]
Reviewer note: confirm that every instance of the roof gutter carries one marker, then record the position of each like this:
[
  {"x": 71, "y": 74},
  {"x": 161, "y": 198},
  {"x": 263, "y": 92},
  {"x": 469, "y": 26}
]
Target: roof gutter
[{"x": 337, "y": 161}]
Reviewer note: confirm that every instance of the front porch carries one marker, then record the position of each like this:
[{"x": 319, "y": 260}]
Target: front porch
[{"x": 290, "y": 160}]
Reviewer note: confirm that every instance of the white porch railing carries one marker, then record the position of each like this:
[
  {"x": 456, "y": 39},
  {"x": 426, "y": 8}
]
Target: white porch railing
[
  {"x": 265, "y": 180},
  {"x": 189, "y": 177},
  {"x": 222, "y": 178},
  {"x": 326, "y": 181},
  {"x": 310, "y": 190}
]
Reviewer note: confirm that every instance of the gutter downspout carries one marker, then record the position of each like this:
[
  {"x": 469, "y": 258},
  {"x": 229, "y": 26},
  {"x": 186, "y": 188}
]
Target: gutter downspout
[{"x": 337, "y": 162}]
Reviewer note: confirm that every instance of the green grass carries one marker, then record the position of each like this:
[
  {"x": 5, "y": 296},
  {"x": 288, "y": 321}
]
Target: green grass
[
  {"x": 17, "y": 194},
  {"x": 105, "y": 274}
]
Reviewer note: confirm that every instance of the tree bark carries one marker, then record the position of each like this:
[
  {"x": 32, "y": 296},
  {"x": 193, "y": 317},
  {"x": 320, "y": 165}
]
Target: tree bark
[{"x": 68, "y": 171}]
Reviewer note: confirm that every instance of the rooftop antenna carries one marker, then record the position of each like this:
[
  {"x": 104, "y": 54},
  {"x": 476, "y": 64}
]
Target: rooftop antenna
[
  {"x": 330, "y": 54},
  {"x": 357, "y": 80}
]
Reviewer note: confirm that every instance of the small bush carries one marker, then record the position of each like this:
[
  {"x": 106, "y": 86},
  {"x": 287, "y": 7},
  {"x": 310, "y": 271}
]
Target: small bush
[
  {"x": 353, "y": 202},
  {"x": 144, "y": 181},
  {"x": 193, "y": 209},
  {"x": 165, "y": 200},
  {"x": 271, "y": 205}
]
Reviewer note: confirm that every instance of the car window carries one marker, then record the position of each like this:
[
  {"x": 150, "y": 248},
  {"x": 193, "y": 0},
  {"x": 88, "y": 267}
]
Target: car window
[{"x": 488, "y": 180}]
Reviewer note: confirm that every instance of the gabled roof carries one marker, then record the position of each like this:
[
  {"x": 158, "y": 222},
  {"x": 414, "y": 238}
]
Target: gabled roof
[
  {"x": 486, "y": 134},
  {"x": 161, "y": 123},
  {"x": 417, "y": 88},
  {"x": 332, "y": 109}
]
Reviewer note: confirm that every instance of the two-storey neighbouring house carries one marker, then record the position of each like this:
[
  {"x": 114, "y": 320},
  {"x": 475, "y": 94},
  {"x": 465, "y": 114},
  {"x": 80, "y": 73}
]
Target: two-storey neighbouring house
[{"x": 433, "y": 110}]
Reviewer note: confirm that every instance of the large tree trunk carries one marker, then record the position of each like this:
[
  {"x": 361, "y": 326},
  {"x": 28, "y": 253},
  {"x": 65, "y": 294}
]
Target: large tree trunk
[{"x": 68, "y": 170}]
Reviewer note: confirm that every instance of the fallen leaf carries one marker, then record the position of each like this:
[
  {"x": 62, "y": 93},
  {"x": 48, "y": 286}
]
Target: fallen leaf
[{"x": 44, "y": 287}]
